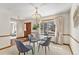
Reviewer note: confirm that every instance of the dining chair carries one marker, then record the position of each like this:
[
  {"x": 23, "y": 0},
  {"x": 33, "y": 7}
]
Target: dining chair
[
  {"x": 23, "y": 48},
  {"x": 31, "y": 38},
  {"x": 45, "y": 43}
]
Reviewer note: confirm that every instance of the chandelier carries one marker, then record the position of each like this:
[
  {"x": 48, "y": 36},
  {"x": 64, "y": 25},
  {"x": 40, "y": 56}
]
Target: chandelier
[{"x": 36, "y": 15}]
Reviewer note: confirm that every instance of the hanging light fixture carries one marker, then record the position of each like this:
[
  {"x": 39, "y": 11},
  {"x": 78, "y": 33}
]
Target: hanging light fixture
[{"x": 36, "y": 15}]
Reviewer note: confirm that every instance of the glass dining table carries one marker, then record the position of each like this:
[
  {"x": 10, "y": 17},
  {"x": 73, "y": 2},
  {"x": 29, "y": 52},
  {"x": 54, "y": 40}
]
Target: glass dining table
[{"x": 36, "y": 40}]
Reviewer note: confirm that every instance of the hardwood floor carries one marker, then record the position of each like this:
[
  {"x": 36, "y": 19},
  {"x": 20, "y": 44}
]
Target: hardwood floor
[{"x": 54, "y": 50}]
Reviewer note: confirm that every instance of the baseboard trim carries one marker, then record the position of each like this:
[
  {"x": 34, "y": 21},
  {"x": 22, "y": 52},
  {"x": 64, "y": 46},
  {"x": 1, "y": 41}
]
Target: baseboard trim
[
  {"x": 69, "y": 47},
  {"x": 64, "y": 44},
  {"x": 8, "y": 46},
  {"x": 71, "y": 50},
  {"x": 5, "y": 47}
]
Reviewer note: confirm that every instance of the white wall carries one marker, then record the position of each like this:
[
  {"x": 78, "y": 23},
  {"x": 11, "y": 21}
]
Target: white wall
[
  {"x": 5, "y": 15},
  {"x": 74, "y": 32}
]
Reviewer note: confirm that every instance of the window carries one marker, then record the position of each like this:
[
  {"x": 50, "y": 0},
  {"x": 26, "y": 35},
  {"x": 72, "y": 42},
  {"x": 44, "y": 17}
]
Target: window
[
  {"x": 48, "y": 27},
  {"x": 13, "y": 28}
]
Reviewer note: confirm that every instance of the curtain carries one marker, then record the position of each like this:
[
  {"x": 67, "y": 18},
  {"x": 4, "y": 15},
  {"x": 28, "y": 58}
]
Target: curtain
[{"x": 59, "y": 30}]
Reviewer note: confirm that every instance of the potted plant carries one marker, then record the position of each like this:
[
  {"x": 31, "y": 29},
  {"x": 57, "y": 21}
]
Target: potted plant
[
  {"x": 35, "y": 29},
  {"x": 35, "y": 26}
]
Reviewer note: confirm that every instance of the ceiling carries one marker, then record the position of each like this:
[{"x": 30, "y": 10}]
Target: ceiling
[{"x": 27, "y": 9}]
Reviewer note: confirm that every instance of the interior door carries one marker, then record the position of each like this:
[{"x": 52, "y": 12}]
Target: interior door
[{"x": 27, "y": 29}]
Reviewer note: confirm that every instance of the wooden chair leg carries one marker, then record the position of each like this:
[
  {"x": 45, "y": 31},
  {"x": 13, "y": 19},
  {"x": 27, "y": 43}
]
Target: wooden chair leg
[
  {"x": 32, "y": 51},
  {"x": 42, "y": 47},
  {"x": 45, "y": 49},
  {"x": 37, "y": 43},
  {"x": 38, "y": 48},
  {"x": 19, "y": 53},
  {"x": 48, "y": 48},
  {"x": 27, "y": 52},
  {"x": 29, "y": 43},
  {"x": 24, "y": 53}
]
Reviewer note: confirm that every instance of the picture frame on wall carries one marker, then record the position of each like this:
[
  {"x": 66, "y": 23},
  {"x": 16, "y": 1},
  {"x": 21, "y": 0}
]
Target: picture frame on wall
[{"x": 76, "y": 17}]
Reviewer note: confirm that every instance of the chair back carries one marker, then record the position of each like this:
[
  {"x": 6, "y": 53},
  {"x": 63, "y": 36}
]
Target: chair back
[
  {"x": 20, "y": 46},
  {"x": 47, "y": 42},
  {"x": 30, "y": 37}
]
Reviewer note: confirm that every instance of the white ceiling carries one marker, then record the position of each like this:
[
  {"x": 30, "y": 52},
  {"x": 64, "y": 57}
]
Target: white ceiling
[{"x": 45, "y": 9}]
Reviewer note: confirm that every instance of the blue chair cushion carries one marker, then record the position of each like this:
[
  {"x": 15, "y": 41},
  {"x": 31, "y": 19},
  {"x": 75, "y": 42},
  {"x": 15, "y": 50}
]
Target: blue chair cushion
[
  {"x": 29, "y": 47},
  {"x": 22, "y": 48}
]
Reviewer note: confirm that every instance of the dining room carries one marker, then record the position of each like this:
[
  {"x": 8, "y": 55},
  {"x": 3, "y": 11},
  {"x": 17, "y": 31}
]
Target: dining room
[{"x": 35, "y": 28}]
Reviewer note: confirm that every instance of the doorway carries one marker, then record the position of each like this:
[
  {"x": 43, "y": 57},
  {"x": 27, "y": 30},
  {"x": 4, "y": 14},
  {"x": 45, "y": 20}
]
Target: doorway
[{"x": 27, "y": 29}]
